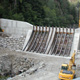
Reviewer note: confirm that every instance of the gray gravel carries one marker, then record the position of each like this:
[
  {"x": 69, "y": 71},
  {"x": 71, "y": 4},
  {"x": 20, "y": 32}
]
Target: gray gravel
[{"x": 12, "y": 42}]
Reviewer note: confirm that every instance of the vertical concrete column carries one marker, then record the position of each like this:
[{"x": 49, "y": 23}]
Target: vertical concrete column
[
  {"x": 50, "y": 41},
  {"x": 12, "y": 27},
  {"x": 50, "y": 31},
  {"x": 27, "y": 38},
  {"x": 7, "y": 27},
  {"x": 75, "y": 43}
]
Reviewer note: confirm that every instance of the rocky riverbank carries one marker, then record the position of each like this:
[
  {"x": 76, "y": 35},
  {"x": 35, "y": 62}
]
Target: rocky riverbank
[
  {"x": 11, "y": 65},
  {"x": 13, "y": 42}
]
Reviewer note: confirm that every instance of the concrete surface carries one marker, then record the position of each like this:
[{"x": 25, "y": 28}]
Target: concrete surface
[{"x": 15, "y": 27}]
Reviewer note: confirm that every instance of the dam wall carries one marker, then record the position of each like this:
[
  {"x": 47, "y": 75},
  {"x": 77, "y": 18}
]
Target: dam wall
[
  {"x": 15, "y": 27},
  {"x": 52, "y": 41},
  {"x": 55, "y": 41}
]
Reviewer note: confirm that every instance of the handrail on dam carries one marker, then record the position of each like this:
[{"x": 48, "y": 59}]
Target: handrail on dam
[{"x": 51, "y": 40}]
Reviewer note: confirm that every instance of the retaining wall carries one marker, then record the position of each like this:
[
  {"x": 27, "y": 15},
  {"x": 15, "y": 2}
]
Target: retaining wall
[{"x": 15, "y": 27}]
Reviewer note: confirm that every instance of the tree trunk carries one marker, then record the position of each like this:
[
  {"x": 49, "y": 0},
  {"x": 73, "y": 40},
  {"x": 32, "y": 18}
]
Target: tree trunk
[{"x": 15, "y": 3}]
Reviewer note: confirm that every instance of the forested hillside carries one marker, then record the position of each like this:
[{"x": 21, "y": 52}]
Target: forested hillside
[
  {"x": 40, "y": 12},
  {"x": 74, "y": 1}
]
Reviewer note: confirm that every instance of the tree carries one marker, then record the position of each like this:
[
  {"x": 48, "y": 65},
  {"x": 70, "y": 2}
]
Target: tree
[{"x": 40, "y": 12}]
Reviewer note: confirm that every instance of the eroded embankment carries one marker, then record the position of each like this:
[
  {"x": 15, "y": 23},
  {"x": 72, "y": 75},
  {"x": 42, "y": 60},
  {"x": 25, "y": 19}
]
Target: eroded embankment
[{"x": 11, "y": 65}]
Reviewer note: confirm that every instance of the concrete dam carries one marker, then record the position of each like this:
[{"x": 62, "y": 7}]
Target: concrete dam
[
  {"x": 53, "y": 41},
  {"x": 50, "y": 40}
]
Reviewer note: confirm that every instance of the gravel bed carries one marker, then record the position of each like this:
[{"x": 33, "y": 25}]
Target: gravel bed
[{"x": 12, "y": 42}]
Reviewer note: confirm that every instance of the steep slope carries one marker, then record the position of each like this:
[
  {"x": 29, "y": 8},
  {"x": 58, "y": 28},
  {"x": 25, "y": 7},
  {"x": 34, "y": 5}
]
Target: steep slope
[{"x": 74, "y": 1}]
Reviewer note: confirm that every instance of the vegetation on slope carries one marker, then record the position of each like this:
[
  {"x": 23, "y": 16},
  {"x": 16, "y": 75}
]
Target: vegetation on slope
[
  {"x": 74, "y": 1},
  {"x": 40, "y": 12}
]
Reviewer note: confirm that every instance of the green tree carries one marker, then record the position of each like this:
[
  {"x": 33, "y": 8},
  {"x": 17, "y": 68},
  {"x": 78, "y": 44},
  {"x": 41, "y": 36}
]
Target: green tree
[
  {"x": 18, "y": 16},
  {"x": 40, "y": 12}
]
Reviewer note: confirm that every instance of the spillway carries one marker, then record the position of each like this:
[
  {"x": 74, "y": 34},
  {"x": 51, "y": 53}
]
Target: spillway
[
  {"x": 54, "y": 41},
  {"x": 50, "y": 40}
]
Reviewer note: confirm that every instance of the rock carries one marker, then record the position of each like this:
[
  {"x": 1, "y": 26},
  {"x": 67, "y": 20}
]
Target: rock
[
  {"x": 31, "y": 70},
  {"x": 10, "y": 64},
  {"x": 1, "y": 45},
  {"x": 12, "y": 42},
  {"x": 41, "y": 65}
]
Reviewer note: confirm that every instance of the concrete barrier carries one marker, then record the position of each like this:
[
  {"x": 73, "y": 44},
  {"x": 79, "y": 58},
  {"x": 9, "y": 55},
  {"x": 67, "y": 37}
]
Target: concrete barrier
[
  {"x": 15, "y": 27},
  {"x": 60, "y": 41}
]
